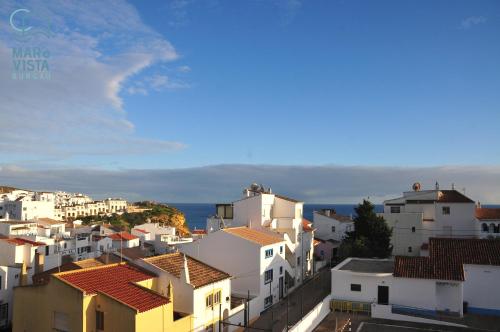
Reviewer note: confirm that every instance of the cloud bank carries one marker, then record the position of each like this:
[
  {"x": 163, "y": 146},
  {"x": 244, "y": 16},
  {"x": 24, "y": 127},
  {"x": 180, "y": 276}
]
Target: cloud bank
[
  {"x": 218, "y": 183},
  {"x": 97, "y": 49}
]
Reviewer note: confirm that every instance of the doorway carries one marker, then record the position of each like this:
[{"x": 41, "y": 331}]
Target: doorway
[{"x": 383, "y": 295}]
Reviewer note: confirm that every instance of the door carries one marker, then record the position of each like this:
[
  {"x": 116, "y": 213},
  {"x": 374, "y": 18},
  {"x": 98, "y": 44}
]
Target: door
[
  {"x": 281, "y": 288},
  {"x": 383, "y": 295}
]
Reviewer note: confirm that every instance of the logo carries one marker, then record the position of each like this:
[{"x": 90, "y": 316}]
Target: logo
[{"x": 30, "y": 62}]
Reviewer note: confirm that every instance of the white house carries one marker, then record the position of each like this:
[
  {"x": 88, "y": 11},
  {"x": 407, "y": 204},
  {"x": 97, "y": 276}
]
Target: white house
[
  {"x": 198, "y": 289},
  {"x": 255, "y": 258},
  {"x": 421, "y": 214},
  {"x": 331, "y": 226},
  {"x": 25, "y": 208},
  {"x": 456, "y": 277},
  {"x": 124, "y": 240},
  {"x": 163, "y": 238},
  {"x": 382, "y": 283},
  {"x": 19, "y": 261},
  {"x": 261, "y": 209},
  {"x": 18, "y": 228},
  {"x": 488, "y": 222}
]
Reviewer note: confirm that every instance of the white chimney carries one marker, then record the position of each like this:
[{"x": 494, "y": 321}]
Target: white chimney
[{"x": 185, "y": 271}]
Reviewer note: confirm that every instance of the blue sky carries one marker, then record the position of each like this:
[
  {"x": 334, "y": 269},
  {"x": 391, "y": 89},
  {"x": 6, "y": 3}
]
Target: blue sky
[
  {"x": 183, "y": 84},
  {"x": 344, "y": 82}
]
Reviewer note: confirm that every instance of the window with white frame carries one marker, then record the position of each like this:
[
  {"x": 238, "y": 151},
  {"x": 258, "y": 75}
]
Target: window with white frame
[
  {"x": 333, "y": 229},
  {"x": 269, "y": 253}
]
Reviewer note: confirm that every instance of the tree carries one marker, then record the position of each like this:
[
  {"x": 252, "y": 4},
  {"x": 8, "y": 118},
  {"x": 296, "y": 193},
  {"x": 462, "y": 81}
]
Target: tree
[{"x": 371, "y": 236}]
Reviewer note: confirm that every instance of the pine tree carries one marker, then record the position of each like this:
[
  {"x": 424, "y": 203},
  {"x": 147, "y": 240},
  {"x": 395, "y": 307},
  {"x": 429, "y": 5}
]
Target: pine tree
[{"x": 371, "y": 236}]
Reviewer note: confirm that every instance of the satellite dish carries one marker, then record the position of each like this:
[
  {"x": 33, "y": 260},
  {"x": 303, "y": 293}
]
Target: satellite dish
[{"x": 416, "y": 186}]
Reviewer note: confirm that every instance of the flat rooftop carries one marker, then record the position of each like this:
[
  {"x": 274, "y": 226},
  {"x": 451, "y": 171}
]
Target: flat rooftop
[{"x": 369, "y": 266}]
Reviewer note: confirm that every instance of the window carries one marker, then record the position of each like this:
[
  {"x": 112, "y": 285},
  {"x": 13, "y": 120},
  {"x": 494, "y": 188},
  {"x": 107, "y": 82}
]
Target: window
[
  {"x": 209, "y": 300},
  {"x": 410, "y": 249},
  {"x": 446, "y": 210},
  {"x": 281, "y": 269},
  {"x": 65, "y": 245},
  {"x": 99, "y": 320},
  {"x": 355, "y": 287},
  {"x": 46, "y": 250},
  {"x": 269, "y": 253},
  {"x": 413, "y": 229},
  {"x": 484, "y": 227},
  {"x": 268, "y": 276},
  {"x": 298, "y": 260},
  {"x": 281, "y": 249},
  {"x": 268, "y": 301},
  {"x": 217, "y": 297},
  {"x": 333, "y": 229},
  {"x": 61, "y": 321},
  {"x": 395, "y": 209}
]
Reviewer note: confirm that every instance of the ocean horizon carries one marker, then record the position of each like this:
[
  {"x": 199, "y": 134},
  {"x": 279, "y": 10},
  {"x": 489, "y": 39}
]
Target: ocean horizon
[{"x": 197, "y": 213}]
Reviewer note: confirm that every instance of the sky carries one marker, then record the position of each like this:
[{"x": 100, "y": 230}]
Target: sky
[{"x": 200, "y": 93}]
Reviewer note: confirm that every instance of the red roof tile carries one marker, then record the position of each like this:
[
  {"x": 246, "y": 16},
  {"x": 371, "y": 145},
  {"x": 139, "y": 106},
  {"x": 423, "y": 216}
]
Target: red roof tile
[
  {"x": 447, "y": 257},
  {"x": 20, "y": 241},
  {"x": 487, "y": 214},
  {"x": 199, "y": 231},
  {"x": 306, "y": 225},
  {"x": 141, "y": 230},
  {"x": 125, "y": 236},
  {"x": 118, "y": 282},
  {"x": 200, "y": 274}
]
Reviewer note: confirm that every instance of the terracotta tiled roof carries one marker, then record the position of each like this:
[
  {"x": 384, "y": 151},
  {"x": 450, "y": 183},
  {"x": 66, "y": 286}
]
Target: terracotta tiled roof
[
  {"x": 453, "y": 196},
  {"x": 426, "y": 268},
  {"x": 200, "y": 274},
  {"x": 447, "y": 257},
  {"x": 307, "y": 225},
  {"x": 487, "y": 214},
  {"x": 316, "y": 242},
  {"x": 199, "y": 231},
  {"x": 338, "y": 217},
  {"x": 20, "y": 241},
  {"x": 252, "y": 235},
  {"x": 44, "y": 277},
  {"x": 118, "y": 282},
  {"x": 125, "y": 236},
  {"x": 466, "y": 251},
  {"x": 49, "y": 221}
]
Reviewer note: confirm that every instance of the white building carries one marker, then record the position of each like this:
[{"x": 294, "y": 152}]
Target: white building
[
  {"x": 260, "y": 209},
  {"x": 124, "y": 240},
  {"x": 19, "y": 261},
  {"x": 255, "y": 258},
  {"x": 331, "y": 226},
  {"x": 456, "y": 277},
  {"x": 488, "y": 222},
  {"x": 198, "y": 289},
  {"x": 24, "y": 208},
  {"x": 421, "y": 214}
]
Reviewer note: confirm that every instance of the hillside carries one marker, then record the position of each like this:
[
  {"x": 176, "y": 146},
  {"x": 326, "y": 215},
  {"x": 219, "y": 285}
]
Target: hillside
[{"x": 156, "y": 212}]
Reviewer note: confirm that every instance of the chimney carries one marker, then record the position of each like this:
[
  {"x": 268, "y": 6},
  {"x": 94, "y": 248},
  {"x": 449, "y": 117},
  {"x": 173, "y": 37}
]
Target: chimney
[
  {"x": 185, "y": 271},
  {"x": 170, "y": 291},
  {"x": 478, "y": 204},
  {"x": 437, "y": 185}
]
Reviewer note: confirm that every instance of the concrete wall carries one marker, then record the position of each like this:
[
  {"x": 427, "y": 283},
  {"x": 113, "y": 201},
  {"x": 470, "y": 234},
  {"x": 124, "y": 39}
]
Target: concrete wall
[
  {"x": 481, "y": 289},
  {"x": 313, "y": 318}
]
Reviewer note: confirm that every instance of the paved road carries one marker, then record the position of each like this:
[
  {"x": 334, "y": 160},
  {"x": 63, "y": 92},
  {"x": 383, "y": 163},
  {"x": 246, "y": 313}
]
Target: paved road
[{"x": 296, "y": 304}]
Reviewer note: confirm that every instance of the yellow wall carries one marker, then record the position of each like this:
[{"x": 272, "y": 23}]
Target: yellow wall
[{"x": 34, "y": 308}]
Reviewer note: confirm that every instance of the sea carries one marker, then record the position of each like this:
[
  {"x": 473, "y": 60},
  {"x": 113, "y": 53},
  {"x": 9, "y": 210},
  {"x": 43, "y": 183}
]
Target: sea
[{"x": 197, "y": 213}]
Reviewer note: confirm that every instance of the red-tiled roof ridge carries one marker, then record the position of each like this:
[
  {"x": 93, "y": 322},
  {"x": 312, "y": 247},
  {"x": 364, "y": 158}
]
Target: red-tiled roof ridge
[
  {"x": 306, "y": 225},
  {"x": 141, "y": 230},
  {"x": 122, "y": 236},
  {"x": 173, "y": 262},
  {"x": 20, "y": 241},
  {"x": 487, "y": 213},
  {"x": 117, "y": 281}
]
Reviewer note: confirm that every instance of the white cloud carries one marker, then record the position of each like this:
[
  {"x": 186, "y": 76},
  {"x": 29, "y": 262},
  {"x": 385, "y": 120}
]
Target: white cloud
[
  {"x": 184, "y": 69},
  {"x": 97, "y": 51},
  {"x": 469, "y": 22}
]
